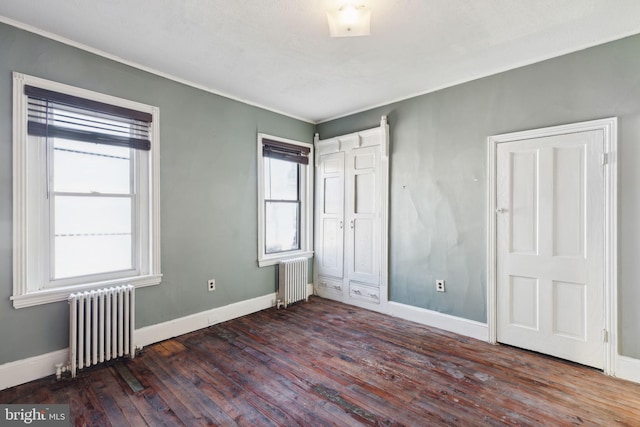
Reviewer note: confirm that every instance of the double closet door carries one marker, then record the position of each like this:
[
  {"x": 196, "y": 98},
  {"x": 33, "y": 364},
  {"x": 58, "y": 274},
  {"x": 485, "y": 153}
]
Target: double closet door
[{"x": 350, "y": 243}]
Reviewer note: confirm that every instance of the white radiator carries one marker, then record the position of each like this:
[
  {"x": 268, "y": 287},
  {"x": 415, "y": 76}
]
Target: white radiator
[
  {"x": 101, "y": 325},
  {"x": 292, "y": 281}
]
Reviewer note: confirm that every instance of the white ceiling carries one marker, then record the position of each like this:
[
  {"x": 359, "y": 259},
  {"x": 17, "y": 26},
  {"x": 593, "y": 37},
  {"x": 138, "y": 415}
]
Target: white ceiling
[{"x": 278, "y": 54}]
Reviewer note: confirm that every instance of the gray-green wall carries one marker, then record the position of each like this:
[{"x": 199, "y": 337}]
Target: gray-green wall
[
  {"x": 208, "y": 190},
  {"x": 438, "y": 171}
]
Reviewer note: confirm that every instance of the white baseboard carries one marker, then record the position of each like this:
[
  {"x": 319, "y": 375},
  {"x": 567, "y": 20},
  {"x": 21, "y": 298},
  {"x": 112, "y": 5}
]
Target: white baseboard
[
  {"x": 32, "y": 368},
  {"x": 447, "y": 322},
  {"x": 628, "y": 368},
  {"x": 183, "y": 325},
  {"x": 25, "y": 370}
]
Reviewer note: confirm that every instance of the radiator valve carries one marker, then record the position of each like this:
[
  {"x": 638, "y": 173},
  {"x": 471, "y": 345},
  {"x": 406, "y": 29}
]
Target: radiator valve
[{"x": 60, "y": 368}]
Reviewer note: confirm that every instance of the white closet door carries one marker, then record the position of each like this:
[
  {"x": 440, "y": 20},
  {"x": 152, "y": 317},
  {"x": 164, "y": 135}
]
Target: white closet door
[
  {"x": 363, "y": 188},
  {"x": 330, "y": 216},
  {"x": 351, "y": 217}
]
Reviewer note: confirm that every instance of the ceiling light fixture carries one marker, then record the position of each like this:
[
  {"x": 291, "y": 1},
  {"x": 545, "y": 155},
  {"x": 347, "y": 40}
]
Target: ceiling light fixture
[{"x": 350, "y": 21}]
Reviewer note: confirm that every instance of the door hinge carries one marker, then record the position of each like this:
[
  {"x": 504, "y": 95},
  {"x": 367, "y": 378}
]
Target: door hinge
[
  {"x": 605, "y": 159},
  {"x": 605, "y": 335}
]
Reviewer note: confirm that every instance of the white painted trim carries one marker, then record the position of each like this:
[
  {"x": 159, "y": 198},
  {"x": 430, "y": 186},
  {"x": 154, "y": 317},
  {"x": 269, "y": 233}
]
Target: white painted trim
[
  {"x": 62, "y": 294},
  {"x": 628, "y": 368},
  {"x": 491, "y": 240},
  {"x": 155, "y": 265},
  {"x": 435, "y": 319},
  {"x": 385, "y": 149},
  {"x": 183, "y": 325},
  {"x": 609, "y": 128},
  {"x": 133, "y": 64},
  {"x": 19, "y": 178},
  {"x": 25, "y": 370},
  {"x": 265, "y": 262}
]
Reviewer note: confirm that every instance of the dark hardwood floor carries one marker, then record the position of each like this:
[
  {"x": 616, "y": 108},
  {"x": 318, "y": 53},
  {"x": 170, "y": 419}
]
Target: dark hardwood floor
[{"x": 324, "y": 363}]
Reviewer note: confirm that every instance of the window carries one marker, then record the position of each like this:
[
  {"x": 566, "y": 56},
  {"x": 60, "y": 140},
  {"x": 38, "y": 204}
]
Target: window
[
  {"x": 282, "y": 205},
  {"x": 85, "y": 191},
  {"x": 284, "y": 199}
]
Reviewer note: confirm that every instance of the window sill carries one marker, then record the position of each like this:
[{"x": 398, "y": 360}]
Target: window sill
[
  {"x": 46, "y": 296},
  {"x": 273, "y": 260}
]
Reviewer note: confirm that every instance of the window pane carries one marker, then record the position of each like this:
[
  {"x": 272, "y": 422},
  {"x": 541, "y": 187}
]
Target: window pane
[
  {"x": 282, "y": 225},
  {"x": 92, "y": 235},
  {"x": 280, "y": 179},
  {"x": 84, "y": 255},
  {"x": 91, "y": 215},
  {"x": 83, "y": 167}
]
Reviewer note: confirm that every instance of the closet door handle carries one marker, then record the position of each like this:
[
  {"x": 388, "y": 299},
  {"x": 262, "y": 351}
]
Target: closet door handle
[
  {"x": 351, "y": 224},
  {"x": 340, "y": 225}
]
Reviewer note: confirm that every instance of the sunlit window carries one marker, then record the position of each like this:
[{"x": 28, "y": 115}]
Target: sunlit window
[
  {"x": 285, "y": 176},
  {"x": 86, "y": 192},
  {"x": 92, "y": 203},
  {"x": 282, "y": 205}
]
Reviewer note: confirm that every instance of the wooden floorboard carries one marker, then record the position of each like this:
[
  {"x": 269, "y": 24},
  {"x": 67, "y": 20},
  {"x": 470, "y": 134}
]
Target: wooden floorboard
[{"x": 323, "y": 363}]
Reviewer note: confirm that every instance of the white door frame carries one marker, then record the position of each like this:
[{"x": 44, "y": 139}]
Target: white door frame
[{"x": 609, "y": 128}]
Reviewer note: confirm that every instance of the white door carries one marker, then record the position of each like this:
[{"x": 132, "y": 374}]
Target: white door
[
  {"x": 330, "y": 217},
  {"x": 550, "y": 240},
  {"x": 363, "y": 190}
]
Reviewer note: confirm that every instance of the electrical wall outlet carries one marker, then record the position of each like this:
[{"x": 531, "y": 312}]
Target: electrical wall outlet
[
  {"x": 440, "y": 285},
  {"x": 212, "y": 284}
]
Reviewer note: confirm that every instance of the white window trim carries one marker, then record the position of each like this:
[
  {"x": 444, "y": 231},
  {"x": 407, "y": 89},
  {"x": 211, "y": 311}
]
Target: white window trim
[
  {"x": 22, "y": 295},
  {"x": 306, "y": 216}
]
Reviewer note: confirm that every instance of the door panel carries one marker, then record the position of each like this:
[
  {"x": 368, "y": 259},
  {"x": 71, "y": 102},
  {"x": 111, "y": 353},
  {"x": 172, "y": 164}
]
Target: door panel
[
  {"x": 362, "y": 204},
  {"x": 523, "y": 293},
  {"x": 330, "y": 216},
  {"x": 363, "y": 247},
  {"x": 569, "y": 202},
  {"x": 550, "y": 225},
  {"x": 524, "y": 198},
  {"x": 364, "y": 193},
  {"x": 331, "y": 241},
  {"x": 333, "y": 203},
  {"x": 364, "y": 160},
  {"x": 569, "y": 309}
]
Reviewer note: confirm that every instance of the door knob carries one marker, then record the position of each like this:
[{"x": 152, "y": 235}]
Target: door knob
[{"x": 502, "y": 210}]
